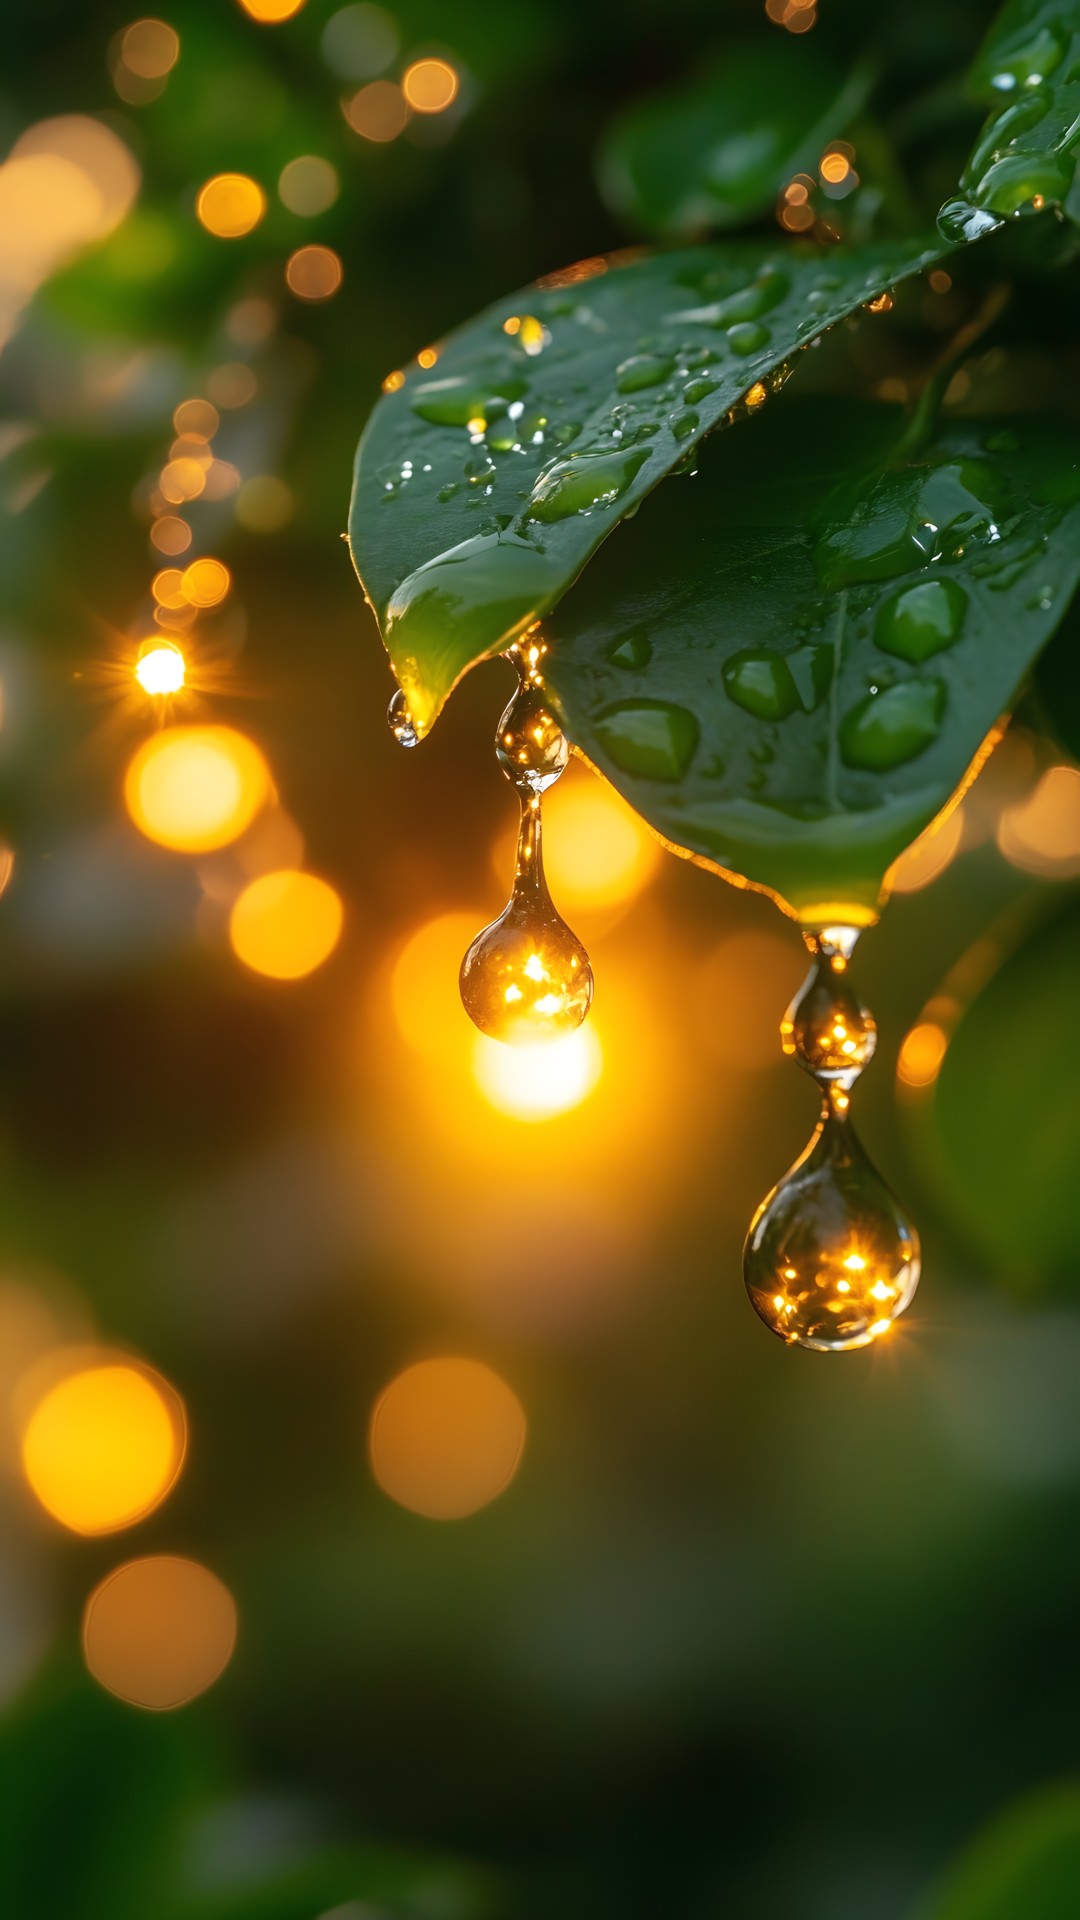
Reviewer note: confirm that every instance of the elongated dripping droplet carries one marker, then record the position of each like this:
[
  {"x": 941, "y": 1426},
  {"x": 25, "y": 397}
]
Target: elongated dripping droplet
[
  {"x": 399, "y": 720},
  {"x": 526, "y": 978},
  {"x": 830, "y": 1259}
]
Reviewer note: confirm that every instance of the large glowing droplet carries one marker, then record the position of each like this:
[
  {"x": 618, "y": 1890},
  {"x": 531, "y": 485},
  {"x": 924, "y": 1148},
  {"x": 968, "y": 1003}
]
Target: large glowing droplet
[
  {"x": 526, "y": 978},
  {"x": 830, "y": 1259}
]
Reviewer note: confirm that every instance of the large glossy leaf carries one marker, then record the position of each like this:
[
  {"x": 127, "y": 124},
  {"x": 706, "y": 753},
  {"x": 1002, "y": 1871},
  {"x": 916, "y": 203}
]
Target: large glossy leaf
[
  {"x": 1028, "y": 72},
  {"x": 1009, "y": 1189},
  {"x": 485, "y": 480},
  {"x": 718, "y": 153},
  {"x": 1024, "y": 1866},
  {"x": 788, "y": 672}
]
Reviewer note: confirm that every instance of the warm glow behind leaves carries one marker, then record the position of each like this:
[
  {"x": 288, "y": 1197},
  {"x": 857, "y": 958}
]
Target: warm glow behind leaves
[
  {"x": 446, "y": 1438},
  {"x": 196, "y": 788},
  {"x": 1042, "y": 833},
  {"x": 537, "y": 1083},
  {"x": 158, "y": 1632},
  {"x": 424, "y": 988},
  {"x": 103, "y": 1446},
  {"x": 928, "y": 856},
  {"x": 160, "y": 669}
]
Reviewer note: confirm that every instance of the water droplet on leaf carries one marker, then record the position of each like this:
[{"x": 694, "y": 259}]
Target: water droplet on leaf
[
  {"x": 650, "y": 738},
  {"x": 921, "y": 620},
  {"x": 399, "y": 721},
  {"x": 583, "y": 482},
  {"x": 887, "y": 729},
  {"x": 642, "y": 370},
  {"x": 748, "y": 338},
  {"x": 634, "y": 652}
]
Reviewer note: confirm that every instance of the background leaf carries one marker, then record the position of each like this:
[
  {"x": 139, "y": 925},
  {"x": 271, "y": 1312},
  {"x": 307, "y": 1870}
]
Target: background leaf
[
  {"x": 788, "y": 673},
  {"x": 1026, "y": 1862},
  {"x": 1028, "y": 71},
  {"x": 716, "y": 154},
  {"x": 484, "y": 482},
  {"x": 1010, "y": 1188}
]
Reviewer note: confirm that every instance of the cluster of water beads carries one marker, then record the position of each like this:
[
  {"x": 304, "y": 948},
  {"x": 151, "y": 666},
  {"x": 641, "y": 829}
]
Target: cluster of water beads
[
  {"x": 830, "y": 1259},
  {"x": 1025, "y": 158},
  {"x": 526, "y": 978}
]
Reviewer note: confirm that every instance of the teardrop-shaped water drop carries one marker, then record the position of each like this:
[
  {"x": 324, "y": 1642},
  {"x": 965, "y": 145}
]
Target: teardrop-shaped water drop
[
  {"x": 400, "y": 722},
  {"x": 831, "y": 1259},
  {"x": 960, "y": 220},
  {"x": 530, "y": 746},
  {"x": 526, "y": 978},
  {"x": 827, "y": 1029}
]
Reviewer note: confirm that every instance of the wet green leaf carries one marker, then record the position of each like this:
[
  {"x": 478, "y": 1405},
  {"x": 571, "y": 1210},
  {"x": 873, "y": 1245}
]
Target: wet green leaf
[
  {"x": 788, "y": 672},
  {"x": 485, "y": 481},
  {"x": 1010, "y": 1188},
  {"x": 716, "y": 154},
  {"x": 1028, "y": 73},
  {"x": 1026, "y": 1862},
  {"x": 1055, "y": 707}
]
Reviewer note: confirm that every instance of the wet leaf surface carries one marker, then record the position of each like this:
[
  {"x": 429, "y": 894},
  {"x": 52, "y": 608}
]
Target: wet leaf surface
[
  {"x": 787, "y": 671},
  {"x": 1028, "y": 73},
  {"x": 486, "y": 480}
]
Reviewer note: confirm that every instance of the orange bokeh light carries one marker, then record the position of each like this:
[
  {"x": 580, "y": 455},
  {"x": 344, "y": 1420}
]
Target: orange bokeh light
[
  {"x": 313, "y": 273},
  {"x": 196, "y": 788},
  {"x": 446, "y": 1438},
  {"x": 102, "y": 1444},
  {"x": 158, "y": 1632},
  {"x": 230, "y": 205},
  {"x": 285, "y": 924},
  {"x": 430, "y": 86}
]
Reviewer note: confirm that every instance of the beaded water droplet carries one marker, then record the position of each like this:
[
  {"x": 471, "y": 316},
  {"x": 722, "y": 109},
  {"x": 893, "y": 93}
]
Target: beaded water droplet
[
  {"x": 830, "y": 1259},
  {"x": 526, "y": 978}
]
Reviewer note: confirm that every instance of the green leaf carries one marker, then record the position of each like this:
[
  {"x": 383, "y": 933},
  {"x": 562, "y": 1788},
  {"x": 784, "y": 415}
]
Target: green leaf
[
  {"x": 1056, "y": 687},
  {"x": 1009, "y": 1189},
  {"x": 118, "y": 1786},
  {"x": 717, "y": 153},
  {"x": 788, "y": 673},
  {"x": 1027, "y": 1862},
  {"x": 1028, "y": 71},
  {"x": 463, "y": 535}
]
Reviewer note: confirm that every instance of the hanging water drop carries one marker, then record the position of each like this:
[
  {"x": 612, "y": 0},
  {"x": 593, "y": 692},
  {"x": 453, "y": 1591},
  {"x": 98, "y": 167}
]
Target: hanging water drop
[
  {"x": 526, "y": 978},
  {"x": 400, "y": 722},
  {"x": 830, "y": 1259}
]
